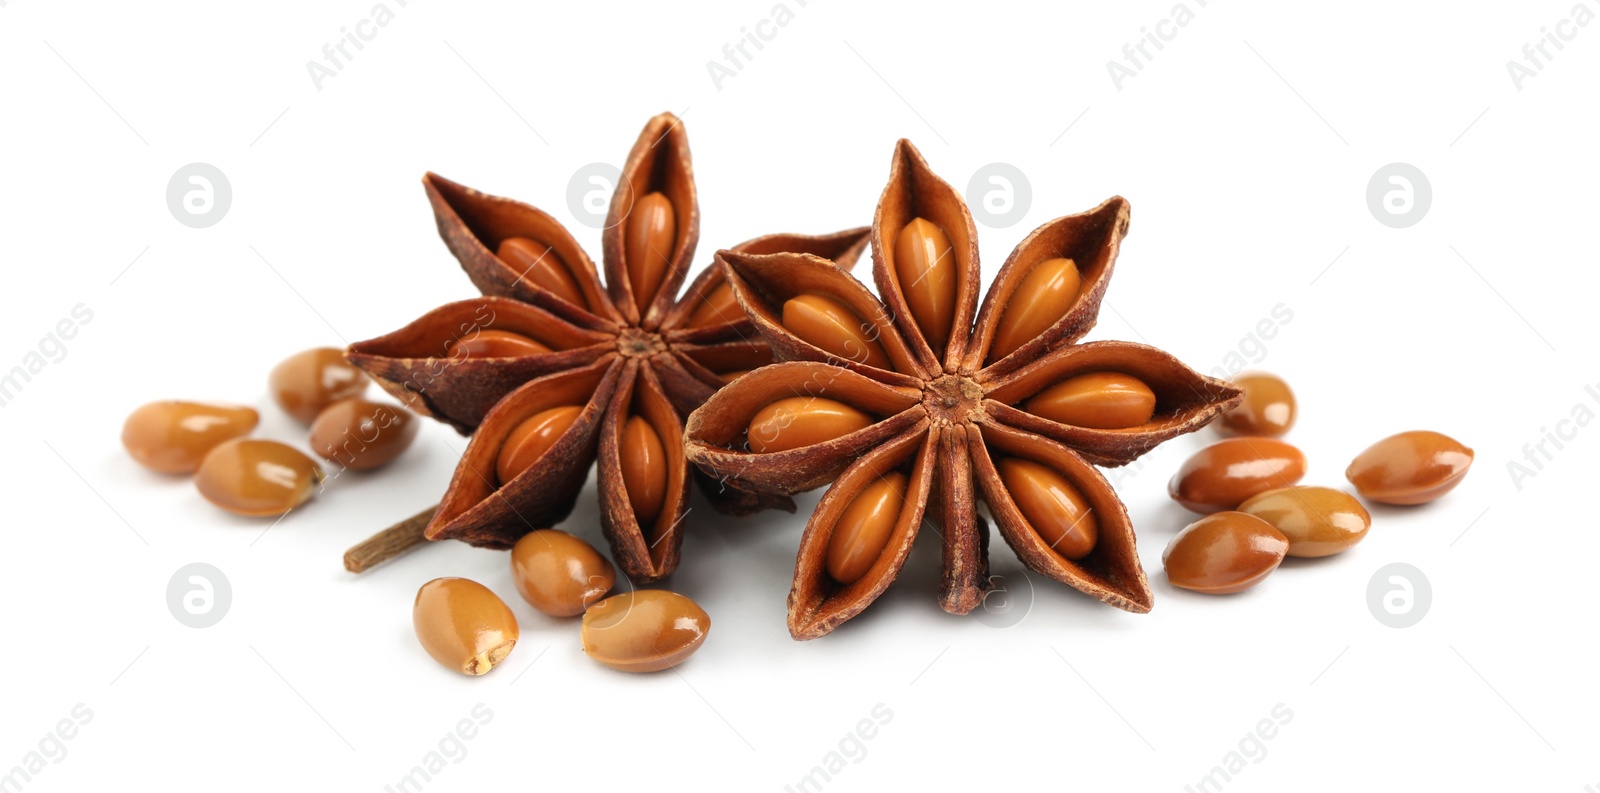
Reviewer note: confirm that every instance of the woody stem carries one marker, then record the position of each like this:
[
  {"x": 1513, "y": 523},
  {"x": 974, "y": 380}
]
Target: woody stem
[{"x": 394, "y": 541}]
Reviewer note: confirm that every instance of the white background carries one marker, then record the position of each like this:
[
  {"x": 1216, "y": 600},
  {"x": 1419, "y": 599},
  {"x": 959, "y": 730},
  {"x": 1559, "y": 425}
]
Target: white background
[{"x": 1245, "y": 147}]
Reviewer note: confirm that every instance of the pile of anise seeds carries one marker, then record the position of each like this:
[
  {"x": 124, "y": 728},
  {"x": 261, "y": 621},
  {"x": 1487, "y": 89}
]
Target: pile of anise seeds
[
  {"x": 265, "y": 478},
  {"x": 1256, "y": 513}
]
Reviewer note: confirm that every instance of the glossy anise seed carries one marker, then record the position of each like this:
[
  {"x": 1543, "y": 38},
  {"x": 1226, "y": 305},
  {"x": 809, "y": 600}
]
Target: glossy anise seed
[
  {"x": 793, "y": 422},
  {"x": 559, "y": 574},
  {"x": 1224, "y": 553},
  {"x": 463, "y": 625},
  {"x": 532, "y": 438},
  {"x": 1268, "y": 408},
  {"x": 1056, "y": 510},
  {"x": 1221, "y": 476},
  {"x": 305, "y": 383},
  {"x": 1319, "y": 521},
  {"x": 1097, "y": 400},
  {"x": 494, "y": 344},
  {"x": 257, "y": 478},
  {"x": 644, "y": 469},
  {"x": 651, "y": 235},
  {"x": 644, "y": 631},
  {"x": 863, "y": 530},
  {"x": 362, "y": 435},
  {"x": 536, "y": 263},
  {"x": 718, "y": 308},
  {"x": 173, "y": 436},
  {"x": 1041, "y": 300},
  {"x": 832, "y": 326},
  {"x": 925, "y": 263},
  {"x": 1410, "y": 468}
]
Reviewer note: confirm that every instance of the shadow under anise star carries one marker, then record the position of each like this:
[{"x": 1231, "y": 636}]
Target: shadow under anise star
[
  {"x": 551, "y": 369},
  {"x": 923, "y": 403}
]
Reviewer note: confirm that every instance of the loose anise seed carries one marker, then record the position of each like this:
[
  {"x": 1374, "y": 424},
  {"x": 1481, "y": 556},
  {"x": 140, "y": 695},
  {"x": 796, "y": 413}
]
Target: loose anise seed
[
  {"x": 1268, "y": 408},
  {"x": 1319, "y": 521},
  {"x": 833, "y": 327},
  {"x": 1097, "y": 400},
  {"x": 463, "y": 625},
  {"x": 863, "y": 530},
  {"x": 495, "y": 344},
  {"x": 559, "y": 574},
  {"x": 257, "y": 478},
  {"x": 1221, "y": 476},
  {"x": 1223, "y": 553},
  {"x": 305, "y": 383},
  {"x": 1041, "y": 300},
  {"x": 718, "y": 308},
  {"x": 362, "y": 435},
  {"x": 652, "y": 233},
  {"x": 537, "y": 263},
  {"x": 1055, "y": 509},
  {"x": 925, "y": 263},
  {"x": 173, "y": 436},
  {"x": 644, "y": 469},
  {"x": 532, "y": 438},
  {"x": 793, "y": 422},
  {"x": 1410, "y": 468},
  {"x": 644, "y": 631}
]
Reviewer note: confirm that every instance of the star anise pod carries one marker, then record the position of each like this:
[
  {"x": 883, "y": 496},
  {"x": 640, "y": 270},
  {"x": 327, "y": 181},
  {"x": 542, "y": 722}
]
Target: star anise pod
[
  {"x": 924, "y": 397},
  {"x": 551, "y": 369}
]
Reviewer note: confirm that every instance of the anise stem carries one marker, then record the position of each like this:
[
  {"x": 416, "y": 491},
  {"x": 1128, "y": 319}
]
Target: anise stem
[{"x": 396, "y": 540}]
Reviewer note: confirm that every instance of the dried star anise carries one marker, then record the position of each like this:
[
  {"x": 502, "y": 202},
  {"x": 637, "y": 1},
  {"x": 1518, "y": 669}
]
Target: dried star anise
[
  {"x": 911, "y": 400},
  {"x": 550, "y": 369}
]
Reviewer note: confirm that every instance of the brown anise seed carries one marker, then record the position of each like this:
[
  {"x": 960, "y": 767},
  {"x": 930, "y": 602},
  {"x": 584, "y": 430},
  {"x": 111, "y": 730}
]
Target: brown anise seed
[
  {"x": 257, "y": 478},
  {"x": 1221, "y": 476},
  {"x": 559, "y": 574},
  {"x": 1041, "y": 300},
  {"x": 173, "y": 436},
  {"x": 532, "y": 438},
  {"x": 833, "y": 327},
  {"x": 305, "y": 383},
  {"x": 1268, "y": 408},
  {"x": 793, "y": 422},
  {"x": 1223, "y": 553},
  {"x": 1055, "y": 509},
  {"x": 652, "y": 233},
  {"x": 644, "y": 469},
  {"x": 1319, "y": 521},
  {"x": 728, "y": 377},
  {"x": 494, "y": 344},
  {"x": 644, "y": 631},
  {"x": 718, "y": 308},
  {"x": 925, "y": 263},
  {"x": 1410, "y": 468},
  {"x": 537, "y": 263},
  {"x": 362, "y": 435},
  {"x": 863, "y": 530},
  {"x": 463, "y": 625},
  {"x": 1097, "y": 400}
]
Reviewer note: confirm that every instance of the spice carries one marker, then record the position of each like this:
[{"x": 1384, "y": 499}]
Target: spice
[
  {"x": 1410, "y": 468},
  {"x": 463, "y": 625},
  {"x": 644, "y": 631},
  {"x": 173, "y": 436},
  {"x": 942, "y": 409},
  {"x": 1221, "y": 476},
  {"x": 552, "y": 370},
  {"x": 257, "y": 478},
  {"x": 305, "y": 383},
  {"x": 1223, "y": 553}
]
